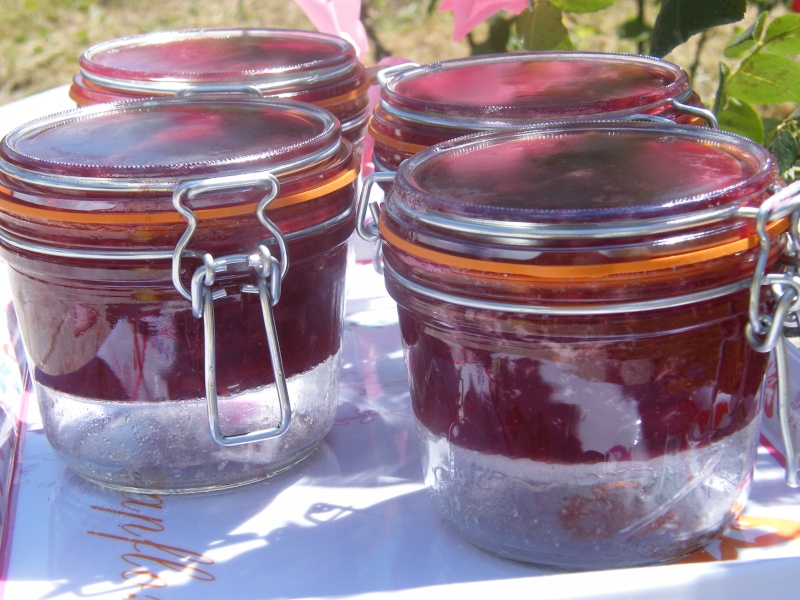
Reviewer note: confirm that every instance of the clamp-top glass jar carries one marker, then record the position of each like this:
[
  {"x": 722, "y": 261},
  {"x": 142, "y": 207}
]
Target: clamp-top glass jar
[
  {"x": 584, "y": 323},
  {"x": 424, "y": 105},
  {"x": 148, "y": 242},
  {"x": 299, "y": 65}
]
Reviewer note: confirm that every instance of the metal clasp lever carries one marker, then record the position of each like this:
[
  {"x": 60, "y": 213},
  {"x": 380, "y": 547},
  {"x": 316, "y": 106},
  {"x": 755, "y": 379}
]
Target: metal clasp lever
[
  {"x": 386, "y": 74},
  {"x": 267, "y": 270},
  {"x": 709, "y": 117},
  {"x": 220, "y": 89},
  {"x": 764, "y": 331},
  {"x": 369, "y": 231}
]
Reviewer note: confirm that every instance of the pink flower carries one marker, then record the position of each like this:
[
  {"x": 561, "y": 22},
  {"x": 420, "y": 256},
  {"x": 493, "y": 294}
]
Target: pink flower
[
  {"x": 338, "y": 17},
  {"x": 469, "y": 13}
]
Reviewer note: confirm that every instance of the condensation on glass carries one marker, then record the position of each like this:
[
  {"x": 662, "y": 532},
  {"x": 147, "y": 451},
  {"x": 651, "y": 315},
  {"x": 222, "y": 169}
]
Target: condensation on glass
[
  {"x": 586, "y": 311},
  {"x": 177, "y": 268}
]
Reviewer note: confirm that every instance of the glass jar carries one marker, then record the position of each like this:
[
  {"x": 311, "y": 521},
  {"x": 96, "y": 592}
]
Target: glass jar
[
  {"x": 424, "y": 105},
  {"x": 298, "y": 65},
  {"x": 579, "y": 312},
  {"x": 178, "y": 271}
]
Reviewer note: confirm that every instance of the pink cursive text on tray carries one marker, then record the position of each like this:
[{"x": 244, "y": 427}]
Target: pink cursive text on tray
[{"x": 143, "y": 554}]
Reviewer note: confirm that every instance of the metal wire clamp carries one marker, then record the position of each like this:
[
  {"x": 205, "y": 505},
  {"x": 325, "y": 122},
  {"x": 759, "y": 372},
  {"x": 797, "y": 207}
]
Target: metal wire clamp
[
  {"x": 709, "y": 117},
  {"x": 268, "y": 271},
  {"x": 764, "y": 330},
  {"x": 220, "y": 89}
]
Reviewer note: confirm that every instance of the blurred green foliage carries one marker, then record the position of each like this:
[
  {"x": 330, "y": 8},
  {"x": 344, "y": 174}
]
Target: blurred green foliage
[{"x": 758, "y": 70}]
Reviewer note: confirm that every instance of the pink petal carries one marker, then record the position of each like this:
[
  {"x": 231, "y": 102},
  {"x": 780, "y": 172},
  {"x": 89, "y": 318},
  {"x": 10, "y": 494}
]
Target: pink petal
[
  {"x": 467, "y": 14},
  {"x": 338, "y": 17}
]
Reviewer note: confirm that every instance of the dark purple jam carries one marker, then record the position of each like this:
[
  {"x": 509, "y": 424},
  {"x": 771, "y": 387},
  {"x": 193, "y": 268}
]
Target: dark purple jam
[
  {"x": 582, "y": 390},
  {"x": 574, "y": 332},
  {"x": 95, "y": 331},
  {"x": 120, "y": 370}
]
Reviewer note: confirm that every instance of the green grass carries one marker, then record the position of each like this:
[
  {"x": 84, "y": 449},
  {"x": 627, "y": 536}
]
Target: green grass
[{"x": 42, "y": 40}]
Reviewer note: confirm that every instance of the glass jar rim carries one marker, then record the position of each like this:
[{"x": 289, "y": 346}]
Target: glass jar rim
[
  {"x": 72, "y": 171},
  {"x": 434, "y": 208},
  {"x": 504, "y": 215},
  {"x": 404, "y": 99},
  {"x": 328, "y": 59},
  {"x": 235, "y": 162}
]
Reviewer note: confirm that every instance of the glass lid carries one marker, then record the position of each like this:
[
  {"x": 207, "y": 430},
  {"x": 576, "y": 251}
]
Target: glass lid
[
  {"x": 270, "y": 59},
  {"x": 150, "y": 144},
  {"x": 579, "y": 177},
  {"x": 535, "y": 85}
]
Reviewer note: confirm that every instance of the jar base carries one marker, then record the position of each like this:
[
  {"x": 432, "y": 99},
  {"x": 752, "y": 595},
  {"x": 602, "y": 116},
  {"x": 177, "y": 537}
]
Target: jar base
[
  {"x": 196, "y": 490},
  {"x": 591, "y": 516},
  {"x": 166, "y": 447}
]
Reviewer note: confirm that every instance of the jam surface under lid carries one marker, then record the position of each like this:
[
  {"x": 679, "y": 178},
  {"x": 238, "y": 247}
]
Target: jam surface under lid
[
  {"x": 537, "y": 85},
  {"x": 219, "y": 56},
  {"x": 580, "y": 175},
  {"x": 157, "y": 142}
]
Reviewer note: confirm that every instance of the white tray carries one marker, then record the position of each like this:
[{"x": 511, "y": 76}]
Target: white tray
[{"x": 353, "y": 520}]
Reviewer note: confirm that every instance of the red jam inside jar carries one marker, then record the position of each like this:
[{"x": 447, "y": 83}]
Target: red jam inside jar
[
  {"x": 573, "y": 302},
  {"x": 299, "y": 65},
  {"x": 432, "y": 103},
  {"x": 89, "y": 227}
]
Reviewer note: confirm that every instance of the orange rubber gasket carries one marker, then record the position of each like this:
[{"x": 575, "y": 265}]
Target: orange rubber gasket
[
  {"x": 410, "y": 148},
  {"x": 338, "y": 182},
  {"x": 391, "y": 142},
  {"x": 351, "y": 95},
  {"x": 361, "y": 90},
  {"x": 579, "y": 271}
]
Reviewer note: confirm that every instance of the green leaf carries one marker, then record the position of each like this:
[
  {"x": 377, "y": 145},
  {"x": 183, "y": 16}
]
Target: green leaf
[
  {"x": 634, "y": 30},
  {"x": 783, "y": 34},
  {"x": 721, "y": 98},
  {"x": 739, "y": 117},
  {"x": 581, "y": 6},
  {"x": 748, "y": 38},
  {"x": 540, "y": 27},
  {"x": 498, "y": 38},
  {"x": 678, "y": 20},
  {"x": 785, "y": 147},
  {"x": 766, "y": 78},
  {"x": 770, "y": 127}
]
